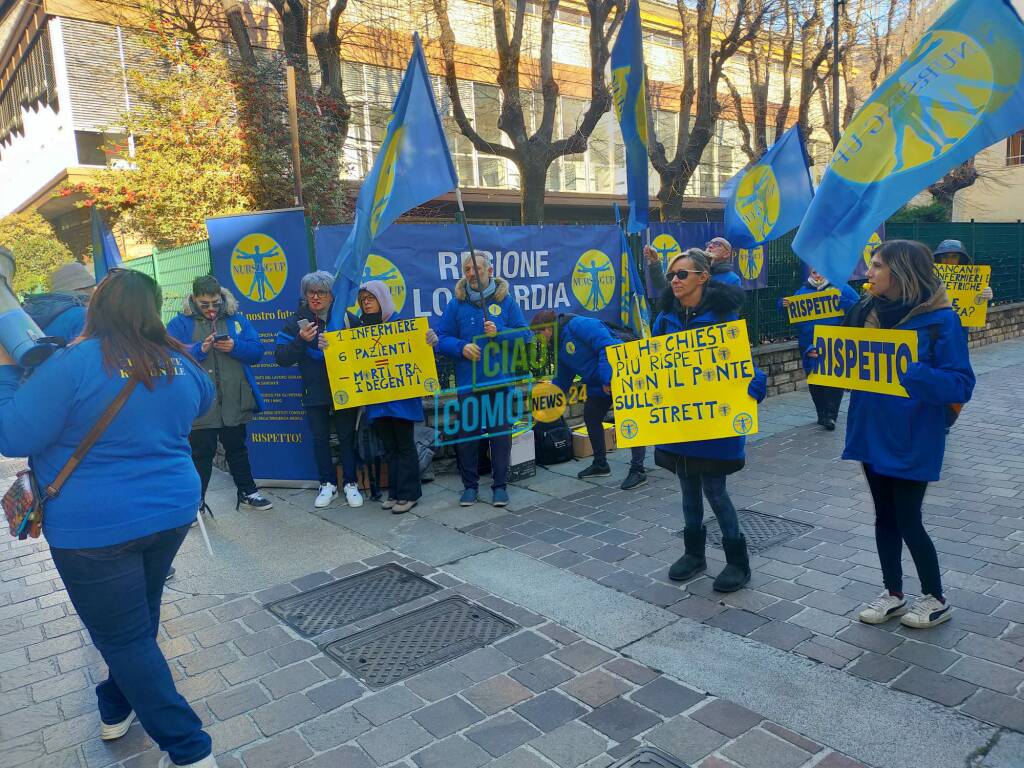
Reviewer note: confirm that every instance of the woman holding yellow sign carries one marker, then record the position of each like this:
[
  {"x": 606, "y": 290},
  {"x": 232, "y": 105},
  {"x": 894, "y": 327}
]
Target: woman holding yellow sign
[
  {"x": 692, "y": 300},
  {"x": 901, "y": 440}
]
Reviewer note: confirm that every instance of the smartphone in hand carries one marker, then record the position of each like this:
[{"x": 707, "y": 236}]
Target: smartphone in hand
[{"x": 221, "y": 337}]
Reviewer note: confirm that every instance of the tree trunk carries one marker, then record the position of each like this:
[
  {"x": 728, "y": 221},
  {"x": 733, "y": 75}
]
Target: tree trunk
[
  {"x": 671, "y": 192},
  {"x": 532, "y": 183}
]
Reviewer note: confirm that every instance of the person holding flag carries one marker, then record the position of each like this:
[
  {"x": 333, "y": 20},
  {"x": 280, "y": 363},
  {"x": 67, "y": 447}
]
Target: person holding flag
[{"x": 718, "y": 250}]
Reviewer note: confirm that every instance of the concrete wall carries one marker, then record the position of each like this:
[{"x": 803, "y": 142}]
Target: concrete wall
[{"x": 998, "y": 195}]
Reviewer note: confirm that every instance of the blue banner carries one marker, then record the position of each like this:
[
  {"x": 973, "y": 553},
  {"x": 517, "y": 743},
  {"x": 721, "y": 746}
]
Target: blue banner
[
  {"x": 770, "y": 197},
  {"x": 752, "y": 264},
  {"x": 105, "y": 253},
  {"x": 629, "y": 96},
  {"x": 957, "y": 93},
  {"x": 564, "y": 268},
  {"x": 671, "y": 238},
  {"x": 261, "y": 258}
]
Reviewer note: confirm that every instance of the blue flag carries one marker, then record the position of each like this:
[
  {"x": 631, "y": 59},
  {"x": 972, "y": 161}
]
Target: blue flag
[
  {"x": 958, "y": 92},
  {"x": 412, "y": 167},
  {"x": 769, "y": 198},
  {"x": 629, "y": 95},
  {"x": 105, "y": 253},
  {"x": 634, "y": 313}
]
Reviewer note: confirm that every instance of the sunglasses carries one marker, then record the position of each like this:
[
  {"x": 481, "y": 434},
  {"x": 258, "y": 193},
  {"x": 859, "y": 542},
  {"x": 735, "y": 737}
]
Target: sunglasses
[
  {"x": 682, "y": 274},
  {"x": 208, "y": 304}
]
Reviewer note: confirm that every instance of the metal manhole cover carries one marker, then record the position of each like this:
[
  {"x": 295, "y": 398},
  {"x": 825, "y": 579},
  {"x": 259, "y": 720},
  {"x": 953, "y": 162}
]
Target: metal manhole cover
[
  {"x": 340, "y": 603},
  {"x": 760, "y": 530},
  {"x": 649, "y": 757},
  {"x": 417, "y": 641}
]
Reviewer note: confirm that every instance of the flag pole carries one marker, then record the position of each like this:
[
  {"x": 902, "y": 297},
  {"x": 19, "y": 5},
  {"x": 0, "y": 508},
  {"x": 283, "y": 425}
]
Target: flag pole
[{"x": 472, "y": 250}]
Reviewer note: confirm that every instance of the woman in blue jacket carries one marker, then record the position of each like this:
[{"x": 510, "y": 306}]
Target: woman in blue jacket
[
  {"x": 901, "y": 440},
  {"x": 219, "y": 337},
  {"x": 124, "y": 512},
  {"x": 694, "y": 300},
  {"x": 826, "y": 399},
  {"x": 393, "y": 421}
]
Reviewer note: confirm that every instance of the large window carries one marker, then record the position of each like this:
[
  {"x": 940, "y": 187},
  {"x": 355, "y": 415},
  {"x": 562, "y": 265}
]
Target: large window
[{"x": 1015, "y": 149}]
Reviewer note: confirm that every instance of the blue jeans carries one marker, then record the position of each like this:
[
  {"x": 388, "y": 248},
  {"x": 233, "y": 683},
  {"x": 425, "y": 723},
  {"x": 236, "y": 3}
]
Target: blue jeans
[
  {"x": 594, "y": 411},
  {"x": 693, "y": 503},
  {"x": 323, "y": 418},
  {"x": 116, "y": 591}
]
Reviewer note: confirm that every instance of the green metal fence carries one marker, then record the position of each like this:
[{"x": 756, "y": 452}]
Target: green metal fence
[{"x": 175, "y": 269}]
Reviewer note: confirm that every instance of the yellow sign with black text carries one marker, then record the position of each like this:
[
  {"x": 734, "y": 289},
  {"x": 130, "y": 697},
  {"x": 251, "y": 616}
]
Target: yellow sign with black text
[
  {"x": 819, "y": 305},
  {"x": 964, "y": 284},
  {"x": 380, "y": 363},
  {"x": 866, "y": 359},
  {"x": 683, "y": 387}
]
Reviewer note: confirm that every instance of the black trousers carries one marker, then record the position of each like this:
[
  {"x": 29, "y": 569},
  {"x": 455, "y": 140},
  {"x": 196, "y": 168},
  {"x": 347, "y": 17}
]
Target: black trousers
[
  {"x": 594, "y": 410},
  {"x": 898, "y": 522},
  {"x": 397, "y": 435},
  {"x": 204, "y": 448},
  {"x": 826, "y": 400}
]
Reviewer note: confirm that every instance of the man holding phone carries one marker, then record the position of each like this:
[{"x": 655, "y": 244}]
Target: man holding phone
[{"x": 220, "y": 338}]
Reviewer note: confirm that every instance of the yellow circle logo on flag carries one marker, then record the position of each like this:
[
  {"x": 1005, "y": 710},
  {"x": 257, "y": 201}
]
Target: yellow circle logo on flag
[
  {"x": 667, "y": 249},
  {"x": 259, "y": 268},
  {"x": 386, "y": 178},
  {"x": 547, "y": 402},
  {"x": 379, "y": 268},
  {"x": 757, "y": 201},
  {"x": 873, "y": 242},
  {"x": 940, "y": 95},
  {"x": 593, "y": 280},
  {"x": 751, "y": 262}
]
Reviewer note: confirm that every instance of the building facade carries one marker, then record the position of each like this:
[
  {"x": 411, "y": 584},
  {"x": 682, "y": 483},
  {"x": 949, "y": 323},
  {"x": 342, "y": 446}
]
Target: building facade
[{"x": 998, "y": 194}]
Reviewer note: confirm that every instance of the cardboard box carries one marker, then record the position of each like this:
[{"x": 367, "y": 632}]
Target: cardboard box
[
  {"x": 524, "y": 455},
  {"x": 581, "y": 441}
]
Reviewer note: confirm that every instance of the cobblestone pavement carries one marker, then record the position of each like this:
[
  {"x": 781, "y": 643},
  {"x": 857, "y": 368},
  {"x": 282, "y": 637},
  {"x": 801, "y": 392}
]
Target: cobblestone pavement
[{"x": 609, "y": 657}]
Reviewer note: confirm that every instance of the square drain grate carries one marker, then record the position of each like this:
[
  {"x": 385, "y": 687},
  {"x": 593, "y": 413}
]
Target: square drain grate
[
  {"x": 424, "y": 638},
  {"x": 340, "y": 603},
  {"x": 649, "y": 757},
  {"x": 760, "y": 530}
]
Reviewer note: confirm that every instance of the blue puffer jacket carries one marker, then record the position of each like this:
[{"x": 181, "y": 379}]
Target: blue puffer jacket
[
  {"x": 58, "y": 314},
  {"x": 906, "y": 437},
  {"x": 805, "y": 331},
  {"x": 720, "y": 304},
  {"x": 581, "y": 352},
  {"x": 248, "y": 349},
  {"x": 462, "y": 323},
  {"x": 723, "y": 272}
]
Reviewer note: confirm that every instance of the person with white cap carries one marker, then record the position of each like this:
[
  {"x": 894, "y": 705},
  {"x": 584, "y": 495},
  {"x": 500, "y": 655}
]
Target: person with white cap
[
  {"x": 61, "y": 312},
  {"x": 718, "y": 248}
]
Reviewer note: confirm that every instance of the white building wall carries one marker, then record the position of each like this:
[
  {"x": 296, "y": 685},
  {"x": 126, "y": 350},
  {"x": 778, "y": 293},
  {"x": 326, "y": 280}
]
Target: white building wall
[{"x": 998, "y": 195}]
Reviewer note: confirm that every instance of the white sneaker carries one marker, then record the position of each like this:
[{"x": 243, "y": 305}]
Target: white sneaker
[
  {"x": 206, "y": 762},
  {"x": 926, "y": 612},
  {"x": 117, "y": 730},
  {"x": 328, "y": 493},
  {"x": 883, "y": 608},
  {"x": 352, "y": 495}
]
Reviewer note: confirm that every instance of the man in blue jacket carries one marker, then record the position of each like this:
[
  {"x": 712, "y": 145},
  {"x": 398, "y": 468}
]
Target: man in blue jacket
[
  {"x": 61, "y": 312},
  {"x": 718, "y": 249},
  {"x": 224, "y": 343},
  {"x": 582, "y": 342},
  {"x": 479, "y": 329}
]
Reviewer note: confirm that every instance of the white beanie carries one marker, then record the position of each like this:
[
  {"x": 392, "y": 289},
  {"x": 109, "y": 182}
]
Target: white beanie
[{"x": 72, "y": 277}]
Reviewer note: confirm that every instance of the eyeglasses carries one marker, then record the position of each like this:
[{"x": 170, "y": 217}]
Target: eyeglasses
[
  {"x": 209, "y": 304},
  {"x": 317, "y": 294},
  {"x": 682, "y": 274}
]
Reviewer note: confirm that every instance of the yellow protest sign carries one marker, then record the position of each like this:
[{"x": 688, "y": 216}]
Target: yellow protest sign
[
  {"x": 683, "y": 387},
  {"x": 964, "y": 283},
  {"x": 819, "y": 305},
  {"x": 380, "y": 363},
  {"x": 868, "y": 359}
]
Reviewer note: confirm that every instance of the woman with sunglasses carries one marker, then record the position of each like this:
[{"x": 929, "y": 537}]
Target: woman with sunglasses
[
  {"x": 692, "y": 300},
  {"x": 120, "y": 518},
  {"x": 900, "y": 441}
]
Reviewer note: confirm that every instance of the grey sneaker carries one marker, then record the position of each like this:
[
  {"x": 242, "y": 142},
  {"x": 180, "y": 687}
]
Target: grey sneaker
[{"x": 883, "y": 608}]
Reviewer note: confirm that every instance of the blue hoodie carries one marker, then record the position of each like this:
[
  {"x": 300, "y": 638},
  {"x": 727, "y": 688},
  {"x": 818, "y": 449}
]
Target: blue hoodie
[
  {"x": 720, "y": 304},
  {"x": 906, "y": 437},
  {"x": 61, "y": 315},
  {"x": 805, "y": 330},
  {"x": 581, "y": 352},
  {"x": 248, "y": 349},
  {"x": 138, "y": 478},
  {"x": 462, "y": 323}
]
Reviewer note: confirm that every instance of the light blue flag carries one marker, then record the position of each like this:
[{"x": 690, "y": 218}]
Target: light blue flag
[
  {"x": 629, "y": 95},
  {"x": 958, "y": 92},
  {"x": 105, "y": 253},
  {"x": 634, "y": 313},
  {"x": 769, "y": 198},
  {"x": 412, "y": 167}
]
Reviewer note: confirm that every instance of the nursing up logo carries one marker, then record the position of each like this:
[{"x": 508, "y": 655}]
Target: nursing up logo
[
  {"x": 667, "y": 248},
  {"x": 386, "y": 177},
  {"x": 380, "y": 268},
  {"x": 941, "y": 95},
  {"x": 751, "y": 262},
  {"x": 259, "y": 268},
  {"x": 593, "y": 280},
  {"x": 873, "y": 243},
  {"x": 620, "y": 88},
  {"x": 757, "y": 201}
]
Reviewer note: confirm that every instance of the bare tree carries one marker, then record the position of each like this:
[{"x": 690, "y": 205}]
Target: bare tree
[{"x": 533, "y": 153}]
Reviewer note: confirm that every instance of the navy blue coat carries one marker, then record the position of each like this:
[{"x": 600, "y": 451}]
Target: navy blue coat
[{"x": 581, "y": 352}]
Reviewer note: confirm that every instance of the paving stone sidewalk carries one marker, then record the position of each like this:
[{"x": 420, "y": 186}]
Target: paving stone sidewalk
[{"x": 805, "y": 593}]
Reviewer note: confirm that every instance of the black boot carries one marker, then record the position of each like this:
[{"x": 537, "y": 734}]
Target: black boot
[
  {"x": 693, "y": 562},
  {"x": 737, "y": 570}
]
